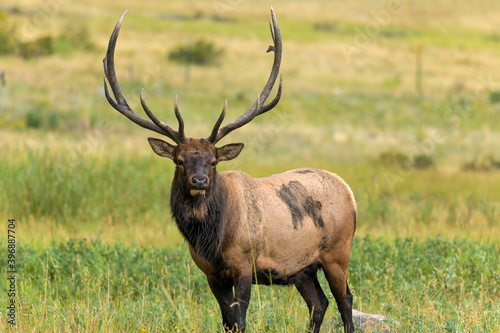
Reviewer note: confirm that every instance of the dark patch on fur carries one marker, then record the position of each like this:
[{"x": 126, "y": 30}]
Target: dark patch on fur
[
  {"x": 272, "y": 277},
  {"x": 305, "y": 171},
  {"x": 300, "y": 204},
  {"x": 202, "y": 231},
  {"x": 313, "y": 209},
  {"x": 291, "y": 194},
  {"x": 324, "y": 243}
]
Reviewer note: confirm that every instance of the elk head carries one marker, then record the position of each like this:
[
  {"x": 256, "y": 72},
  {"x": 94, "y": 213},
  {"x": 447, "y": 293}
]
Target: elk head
[
  {"x": 195, "y": 159},
  {"x": 196, "y": 162}
]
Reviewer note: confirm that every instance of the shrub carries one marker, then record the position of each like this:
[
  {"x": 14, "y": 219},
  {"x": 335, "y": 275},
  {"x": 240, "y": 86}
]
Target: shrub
[
  {"x": 494, "y": 96},
  {"x": 394, "y": 159},
  {"x": 71, "y": 38},
  {"x": 33, "y": 119},
  {"x": 202, "y": 53},
  {"x": 397, "y": 159},
  {"x": 7, "y": 33},
  {"x": 41, "y": 46},
  {"x": 53, "y": 120},
  {"x": 422, "y": 161},
  {"x": 482, "y": 163},
  {"x": 39, "y": 119},
  {"x": 74, "y": 38}
]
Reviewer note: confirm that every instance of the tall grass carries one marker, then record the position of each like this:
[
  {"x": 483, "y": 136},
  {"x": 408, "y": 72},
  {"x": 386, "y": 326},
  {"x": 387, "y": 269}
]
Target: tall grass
[
  {"x": 115, "y": 192},
  {"x": 86, "y": 190},
  {"x": 429, "y": 285}
]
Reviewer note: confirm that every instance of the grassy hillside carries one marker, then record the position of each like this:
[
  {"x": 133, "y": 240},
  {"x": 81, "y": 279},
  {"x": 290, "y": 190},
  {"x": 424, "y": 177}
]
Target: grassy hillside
[{"x": 420, "y": 163}]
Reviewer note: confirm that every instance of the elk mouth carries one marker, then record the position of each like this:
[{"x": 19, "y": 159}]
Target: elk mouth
[{"x": 197, "y": 192}]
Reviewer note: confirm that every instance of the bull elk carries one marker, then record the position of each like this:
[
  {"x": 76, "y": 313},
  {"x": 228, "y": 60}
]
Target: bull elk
[{"x": 277, "y": 230}]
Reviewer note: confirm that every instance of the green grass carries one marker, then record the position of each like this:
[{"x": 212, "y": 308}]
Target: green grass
[
  {"x": 429, "y": 285},
  {"x": 118, "y": 193},
  {"x": 85, "y": 187}
]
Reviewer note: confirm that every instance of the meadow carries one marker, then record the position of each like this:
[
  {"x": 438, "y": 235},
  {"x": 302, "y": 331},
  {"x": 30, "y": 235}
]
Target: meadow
[{"x": 97, "y": 249}]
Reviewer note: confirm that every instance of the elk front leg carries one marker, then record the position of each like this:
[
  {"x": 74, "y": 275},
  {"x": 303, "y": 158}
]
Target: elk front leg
[{"x": 233, "y": 307}]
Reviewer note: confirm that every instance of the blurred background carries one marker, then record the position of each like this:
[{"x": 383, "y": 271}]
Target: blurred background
[{"x": 399, "y": 98}]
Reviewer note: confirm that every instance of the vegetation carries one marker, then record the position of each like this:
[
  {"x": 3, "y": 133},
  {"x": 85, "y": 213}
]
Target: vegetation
[
  {"x": 201, "y": 52},
  {"x": 6, "y": 31},
  {"x": 97, "y": 246},
  {"x": 44, "y": 45},
  {"x": 92, "y": 286}
]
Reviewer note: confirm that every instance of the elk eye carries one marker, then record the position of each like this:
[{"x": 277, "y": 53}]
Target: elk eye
[
  {"x": 214, "y": 163},
  {"x": 180, "y": 162}
]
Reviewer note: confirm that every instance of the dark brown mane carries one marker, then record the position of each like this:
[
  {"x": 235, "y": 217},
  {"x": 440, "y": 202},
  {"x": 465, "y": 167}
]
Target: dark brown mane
[{"x": 200, "y": 219}]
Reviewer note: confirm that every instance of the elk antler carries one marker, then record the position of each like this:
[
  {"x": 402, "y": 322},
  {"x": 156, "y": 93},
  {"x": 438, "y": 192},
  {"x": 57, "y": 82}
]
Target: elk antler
[
  {"x": 258, "y": 106},
  {"x": 121, "y": 104}
]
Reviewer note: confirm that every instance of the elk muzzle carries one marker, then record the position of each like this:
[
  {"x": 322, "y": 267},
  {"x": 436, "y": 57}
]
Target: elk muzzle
[{"x": 199, "y": 183}]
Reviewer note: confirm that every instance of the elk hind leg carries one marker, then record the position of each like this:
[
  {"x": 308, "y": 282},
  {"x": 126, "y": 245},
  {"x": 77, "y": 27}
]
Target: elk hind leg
[
  {"x": 311, "y": 292},
  {"x": 337, "y": 280}
]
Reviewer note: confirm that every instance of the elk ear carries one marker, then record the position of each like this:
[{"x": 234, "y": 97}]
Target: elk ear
[
  {"x": 162, "y": 148},
  {"x": 230, "y": 151}
]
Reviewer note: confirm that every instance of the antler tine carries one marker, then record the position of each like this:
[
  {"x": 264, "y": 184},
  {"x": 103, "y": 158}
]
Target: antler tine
[
  {"x": 181, "y": 134},
  {"x": 213, "y": 136},
  {"x": 272, "y": 30},
  {"x": 109, "y": 64},
  {"x": 177, "y": 136},
  {"x": 258, "y": 106},
  {"x": 275, "y": 101},
  {"x": 120, "y": 104}
]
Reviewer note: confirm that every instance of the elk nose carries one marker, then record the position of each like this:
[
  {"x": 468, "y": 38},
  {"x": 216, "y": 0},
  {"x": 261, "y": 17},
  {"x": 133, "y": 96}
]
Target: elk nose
[{"x": 199, "y": 181}]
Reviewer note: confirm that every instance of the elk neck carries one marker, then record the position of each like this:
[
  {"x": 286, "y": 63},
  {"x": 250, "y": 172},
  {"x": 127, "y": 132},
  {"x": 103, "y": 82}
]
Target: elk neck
[{"x": 200, "y": 219}]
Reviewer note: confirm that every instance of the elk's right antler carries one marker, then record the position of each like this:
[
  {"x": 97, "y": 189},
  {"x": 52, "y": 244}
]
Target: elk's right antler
[
  {"x": 121, "y": 104},
  {"x": 258, "y": 107}
]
